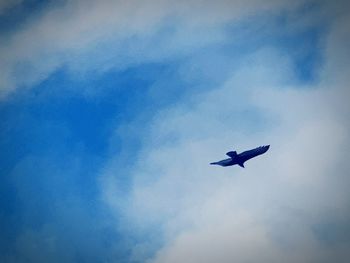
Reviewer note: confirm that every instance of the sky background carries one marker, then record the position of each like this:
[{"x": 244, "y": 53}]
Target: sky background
[{"x": 111, "y": 112}]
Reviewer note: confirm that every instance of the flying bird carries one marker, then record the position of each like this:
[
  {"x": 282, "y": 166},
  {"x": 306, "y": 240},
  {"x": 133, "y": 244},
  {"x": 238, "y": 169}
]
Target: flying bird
[{"x": 242, "y": 157}]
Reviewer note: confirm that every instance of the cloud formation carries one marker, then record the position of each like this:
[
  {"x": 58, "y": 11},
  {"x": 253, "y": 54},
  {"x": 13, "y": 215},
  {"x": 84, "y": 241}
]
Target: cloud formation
[
  {"x": 115, "y": 34},
  {"x": 251, "y": 73},
  {"x": 289, "y": 205}
]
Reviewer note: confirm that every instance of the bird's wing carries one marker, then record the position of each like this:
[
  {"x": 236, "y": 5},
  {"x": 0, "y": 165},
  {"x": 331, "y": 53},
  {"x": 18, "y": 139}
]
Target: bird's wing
[
  {"x": 231, "y": 154},
  {"x": 244, "y": 156}
]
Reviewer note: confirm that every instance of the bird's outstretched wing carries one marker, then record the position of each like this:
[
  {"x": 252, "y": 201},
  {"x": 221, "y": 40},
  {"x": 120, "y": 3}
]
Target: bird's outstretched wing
[
  {"x": 231, "y": 154},
  {"x": 244, "y": 156}
]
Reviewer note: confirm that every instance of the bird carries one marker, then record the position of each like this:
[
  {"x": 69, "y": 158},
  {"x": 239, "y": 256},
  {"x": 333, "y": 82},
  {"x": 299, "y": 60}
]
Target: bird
[{"x": 242, "y": 157}]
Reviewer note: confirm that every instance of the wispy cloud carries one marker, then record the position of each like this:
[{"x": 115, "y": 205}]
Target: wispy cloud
[
  {"x": 6, "y": 5},
  {"x": 114, "y": 34},
  {"x": 281, "y": 207},
  {"x": 238, "y": 74}
]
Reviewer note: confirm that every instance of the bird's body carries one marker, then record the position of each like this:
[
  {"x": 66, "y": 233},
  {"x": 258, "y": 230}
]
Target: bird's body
[{"x": 242, "y": 157}]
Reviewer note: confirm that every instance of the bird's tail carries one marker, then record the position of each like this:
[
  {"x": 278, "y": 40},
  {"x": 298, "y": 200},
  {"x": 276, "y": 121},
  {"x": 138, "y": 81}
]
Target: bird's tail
[{"x": 241, "y": 165}]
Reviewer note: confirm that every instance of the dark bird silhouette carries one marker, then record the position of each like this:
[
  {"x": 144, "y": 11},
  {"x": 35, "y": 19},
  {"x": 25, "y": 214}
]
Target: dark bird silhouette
[{"x": 242, "y": 157}]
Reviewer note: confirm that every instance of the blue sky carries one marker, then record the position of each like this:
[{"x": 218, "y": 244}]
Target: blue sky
[{"x": 111, "y": 112}]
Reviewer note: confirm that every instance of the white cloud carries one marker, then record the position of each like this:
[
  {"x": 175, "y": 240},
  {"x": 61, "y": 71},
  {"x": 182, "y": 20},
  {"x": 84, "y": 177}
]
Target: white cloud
[
  {"x": 270, "y": 211},
  {"x": 90, "y": 35},
  {"x": 264, "y": 213}
]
